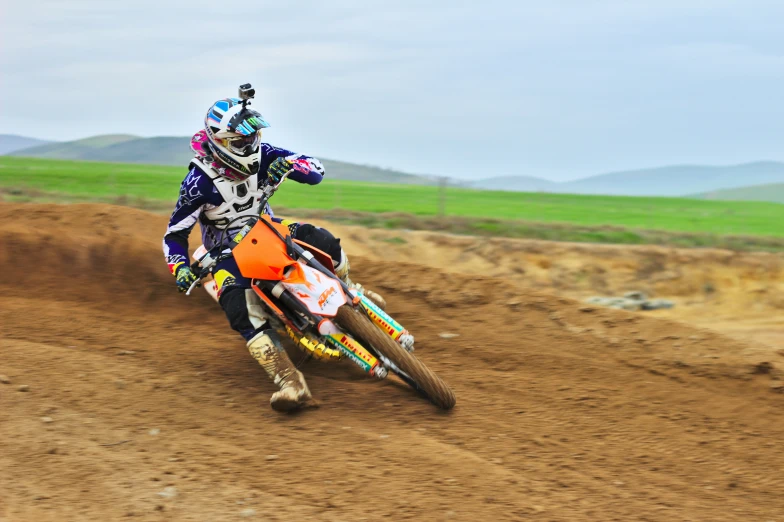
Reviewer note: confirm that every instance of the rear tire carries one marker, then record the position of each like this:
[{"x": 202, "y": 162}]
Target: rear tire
[{"x": 358, "y": 324}]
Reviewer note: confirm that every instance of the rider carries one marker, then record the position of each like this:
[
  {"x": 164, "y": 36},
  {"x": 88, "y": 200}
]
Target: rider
[{"x": 221, "y": 191}]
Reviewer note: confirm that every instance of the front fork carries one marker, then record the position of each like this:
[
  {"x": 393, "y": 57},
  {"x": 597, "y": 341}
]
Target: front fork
[
  {"x": 388, "y": 325},
  {"x": 381, "y": 319}
]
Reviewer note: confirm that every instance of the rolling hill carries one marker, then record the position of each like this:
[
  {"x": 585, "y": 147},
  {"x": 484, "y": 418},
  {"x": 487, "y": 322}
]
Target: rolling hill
[
  {"x": 84, "y": 149},
  {"x": 517, "y": 184},
  {"x": 679, "y": 180},
  {"x": 11, "y": 142},
  {"x": 166, "y": 150},
  {"x": 772, "y": 192}
]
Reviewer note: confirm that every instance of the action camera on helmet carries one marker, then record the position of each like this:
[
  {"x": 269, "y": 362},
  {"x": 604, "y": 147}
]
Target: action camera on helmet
[{"x": 247, "y": 91}]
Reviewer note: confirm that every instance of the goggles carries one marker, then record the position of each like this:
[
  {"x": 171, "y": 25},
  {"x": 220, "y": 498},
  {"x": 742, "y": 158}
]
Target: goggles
[{"x": 243, "y": 145}]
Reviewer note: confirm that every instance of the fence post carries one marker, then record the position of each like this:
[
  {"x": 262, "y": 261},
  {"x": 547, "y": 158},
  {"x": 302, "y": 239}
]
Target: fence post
[{"x": 442, "y": 183}]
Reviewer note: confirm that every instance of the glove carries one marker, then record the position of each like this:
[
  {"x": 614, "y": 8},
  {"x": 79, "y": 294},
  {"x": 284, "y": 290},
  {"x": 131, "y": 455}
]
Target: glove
[
  {"x": 278, "y": 169},
  {"x": 185, "y": 277}
]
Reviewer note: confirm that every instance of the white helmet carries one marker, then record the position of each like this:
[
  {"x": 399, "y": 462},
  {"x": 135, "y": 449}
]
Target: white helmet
[{"x": 234, "y": 136}]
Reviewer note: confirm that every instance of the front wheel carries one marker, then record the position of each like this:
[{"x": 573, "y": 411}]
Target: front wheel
[{"x": 360, "y": 325}]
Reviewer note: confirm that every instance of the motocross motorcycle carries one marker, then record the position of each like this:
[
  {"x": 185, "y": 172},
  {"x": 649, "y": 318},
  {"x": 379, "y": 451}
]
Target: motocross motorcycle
[{"x": 304, "y": 299}]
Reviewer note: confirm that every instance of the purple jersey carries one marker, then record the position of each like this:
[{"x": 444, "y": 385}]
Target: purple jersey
[{"x": 199, "y": 195}]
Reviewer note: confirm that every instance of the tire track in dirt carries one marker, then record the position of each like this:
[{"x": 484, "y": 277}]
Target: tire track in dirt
[{"x": 563, "y": 413}]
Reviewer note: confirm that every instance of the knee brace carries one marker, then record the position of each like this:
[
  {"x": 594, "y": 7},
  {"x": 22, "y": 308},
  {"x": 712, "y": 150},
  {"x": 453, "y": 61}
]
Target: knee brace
[
  {"x": 235, "y": 304},
  {"x": 320, "y": 238}
]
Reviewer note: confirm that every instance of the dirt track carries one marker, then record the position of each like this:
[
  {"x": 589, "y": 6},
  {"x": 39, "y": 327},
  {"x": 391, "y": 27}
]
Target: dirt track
[{"x": 564, "y": 412}]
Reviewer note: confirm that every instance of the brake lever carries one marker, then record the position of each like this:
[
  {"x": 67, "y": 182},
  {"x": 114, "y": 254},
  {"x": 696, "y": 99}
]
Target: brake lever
[
  {"x": 277, "y": 185},
  {"x": 202, "y": 268},
  {"x": 194, "y": 285}
]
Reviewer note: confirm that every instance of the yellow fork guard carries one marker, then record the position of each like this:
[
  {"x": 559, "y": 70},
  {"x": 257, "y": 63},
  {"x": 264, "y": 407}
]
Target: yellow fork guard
[{"x": 314, "y": 348}]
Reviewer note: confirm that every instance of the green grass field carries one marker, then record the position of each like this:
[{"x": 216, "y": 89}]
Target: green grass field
[{"x": 103, "y": 181}]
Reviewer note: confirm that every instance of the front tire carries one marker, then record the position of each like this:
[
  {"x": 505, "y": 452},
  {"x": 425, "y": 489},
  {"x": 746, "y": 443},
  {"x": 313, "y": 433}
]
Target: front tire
[{"x": 360, "y": 325}]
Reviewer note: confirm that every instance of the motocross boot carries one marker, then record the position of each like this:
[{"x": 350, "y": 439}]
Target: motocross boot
[
  {"x": 342, "y": 270},
  {"x": 294, "y": 393}
]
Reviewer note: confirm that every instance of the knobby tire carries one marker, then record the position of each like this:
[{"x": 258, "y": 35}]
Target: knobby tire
[{"x": 359, "y": 325}]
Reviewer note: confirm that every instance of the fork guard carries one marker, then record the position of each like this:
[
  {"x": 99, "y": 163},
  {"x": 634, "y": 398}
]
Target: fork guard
[
  {"x": 381, "y": 319},
  {"x": 351, "y": 348},
  {"x": 313, "y": 347}
]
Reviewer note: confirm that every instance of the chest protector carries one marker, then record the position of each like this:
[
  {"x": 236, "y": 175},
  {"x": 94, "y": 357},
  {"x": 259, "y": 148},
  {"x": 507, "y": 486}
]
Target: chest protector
[{"x": 240, "y": 199}]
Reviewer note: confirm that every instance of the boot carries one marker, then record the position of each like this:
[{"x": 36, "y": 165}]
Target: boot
[
  {"x": 294, "y": 393},
  {"x": 342, "y": 270}
]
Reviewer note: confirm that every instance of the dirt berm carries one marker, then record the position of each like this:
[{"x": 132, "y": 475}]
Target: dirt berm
[{"x": 125, "y": 400}]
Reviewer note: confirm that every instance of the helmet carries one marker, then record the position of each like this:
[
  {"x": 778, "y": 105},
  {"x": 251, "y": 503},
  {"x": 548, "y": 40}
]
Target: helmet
[{"x": 233, "y": 137}]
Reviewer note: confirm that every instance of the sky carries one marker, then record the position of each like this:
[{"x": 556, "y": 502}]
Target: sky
[{"x": 558, "y": 89}]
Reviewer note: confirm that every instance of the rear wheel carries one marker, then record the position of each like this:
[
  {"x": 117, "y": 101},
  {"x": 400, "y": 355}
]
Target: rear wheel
[{"x": 360, "y": 325}]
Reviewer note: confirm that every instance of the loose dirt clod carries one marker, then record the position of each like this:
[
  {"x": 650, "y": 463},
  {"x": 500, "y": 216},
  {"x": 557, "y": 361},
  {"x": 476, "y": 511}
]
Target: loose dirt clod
[
  {"x": 168, "y": 492},
  {"x": 115, "y": 443},
  {"x": 763, "y": 368},
  {"x": 448, "y": 335},
  {"x": 4, "y": 379},
  {"x": 632, "y": 301},
  {"x": 23, "y": 388}
]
